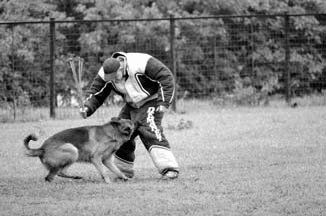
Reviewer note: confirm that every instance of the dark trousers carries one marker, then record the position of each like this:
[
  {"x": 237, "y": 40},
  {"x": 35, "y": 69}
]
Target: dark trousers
[{"x": 149, "y": 129}]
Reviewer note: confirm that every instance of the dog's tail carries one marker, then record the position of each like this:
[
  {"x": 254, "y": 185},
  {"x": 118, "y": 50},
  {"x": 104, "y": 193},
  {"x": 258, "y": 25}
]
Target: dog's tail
[{"x": 32, "y": 152}]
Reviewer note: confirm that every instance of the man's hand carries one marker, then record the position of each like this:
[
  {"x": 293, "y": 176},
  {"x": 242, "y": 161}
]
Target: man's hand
[
  {"x": 161, "y": 108},
  {"x": 83, "y": 112}
]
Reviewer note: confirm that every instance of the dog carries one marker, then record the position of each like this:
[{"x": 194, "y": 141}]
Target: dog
[{"x": 95, "y": 144}]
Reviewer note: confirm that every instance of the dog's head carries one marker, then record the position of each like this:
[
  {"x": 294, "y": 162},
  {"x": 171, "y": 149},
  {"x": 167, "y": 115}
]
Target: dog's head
[{"x": 124, "y": 126}]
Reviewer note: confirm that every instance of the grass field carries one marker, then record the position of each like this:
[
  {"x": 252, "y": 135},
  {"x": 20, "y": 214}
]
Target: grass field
[{"x": 236, "y": 161}]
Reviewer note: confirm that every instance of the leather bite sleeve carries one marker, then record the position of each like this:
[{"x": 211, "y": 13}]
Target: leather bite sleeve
[{"x": 157, "y": 71}]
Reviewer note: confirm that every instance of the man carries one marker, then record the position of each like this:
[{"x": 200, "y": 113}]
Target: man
[{"x": 147, "y": 87}]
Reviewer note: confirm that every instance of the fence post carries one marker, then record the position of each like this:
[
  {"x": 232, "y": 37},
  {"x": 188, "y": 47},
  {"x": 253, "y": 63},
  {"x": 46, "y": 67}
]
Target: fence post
[
  {"x": 173, "y": 59},
  {"x": 287, "y": 58},
  {"x": 51, "y": 84}
]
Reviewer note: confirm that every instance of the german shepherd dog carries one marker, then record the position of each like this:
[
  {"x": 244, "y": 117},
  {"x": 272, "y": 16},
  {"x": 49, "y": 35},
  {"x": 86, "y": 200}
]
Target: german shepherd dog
[{"x": 95, "y": 144}]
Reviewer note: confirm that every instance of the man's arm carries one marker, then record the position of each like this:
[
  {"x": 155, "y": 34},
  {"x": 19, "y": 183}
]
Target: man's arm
[
  {"x": 157, "y": 71},
  {"x": 97, "y": 93}
]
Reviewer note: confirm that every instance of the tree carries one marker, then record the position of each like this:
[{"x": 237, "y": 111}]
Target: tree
[{"x": 213, "y": 55}]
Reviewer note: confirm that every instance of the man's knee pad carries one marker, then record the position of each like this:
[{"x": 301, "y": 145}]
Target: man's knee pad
[{"x": 163, "y": 159}]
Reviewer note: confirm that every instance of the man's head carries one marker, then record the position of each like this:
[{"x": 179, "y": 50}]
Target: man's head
[{"x": 112, "y": 69}]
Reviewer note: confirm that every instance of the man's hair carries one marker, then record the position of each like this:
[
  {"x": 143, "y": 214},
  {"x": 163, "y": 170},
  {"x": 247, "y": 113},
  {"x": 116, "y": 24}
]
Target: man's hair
[{"x": 111, "y": 65}]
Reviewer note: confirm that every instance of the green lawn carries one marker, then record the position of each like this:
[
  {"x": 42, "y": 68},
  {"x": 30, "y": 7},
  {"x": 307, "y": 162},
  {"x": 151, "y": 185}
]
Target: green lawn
[{"x": 236, "y": 161}]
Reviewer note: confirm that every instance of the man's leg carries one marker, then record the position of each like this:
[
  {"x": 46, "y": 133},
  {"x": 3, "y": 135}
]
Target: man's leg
[
  {"x": 125, "y": 156},
  {"x": 151, "y": 133}
]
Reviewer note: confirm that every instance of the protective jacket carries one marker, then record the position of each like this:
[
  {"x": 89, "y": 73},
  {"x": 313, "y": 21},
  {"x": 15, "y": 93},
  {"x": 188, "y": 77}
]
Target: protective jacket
[{"x": 145, "y": 79}]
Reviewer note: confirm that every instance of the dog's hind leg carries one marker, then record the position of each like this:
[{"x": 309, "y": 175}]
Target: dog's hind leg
[
  {"x": 58, "y": 159},
  {"x": 52, "y": 173},
  {"x": 69, "y": 155},
  {"x": 63, "y": 174}
]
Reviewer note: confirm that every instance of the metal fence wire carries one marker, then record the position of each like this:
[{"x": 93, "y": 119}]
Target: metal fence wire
[{"x": 242, "y": 59}]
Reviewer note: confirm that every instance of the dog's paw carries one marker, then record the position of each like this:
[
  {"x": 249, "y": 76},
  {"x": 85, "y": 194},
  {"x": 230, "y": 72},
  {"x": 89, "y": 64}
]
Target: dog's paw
[
  {"x": 121, "y": 179},
  {"x": 48, "y": 179},
  {"x": 107, "y": 180}
]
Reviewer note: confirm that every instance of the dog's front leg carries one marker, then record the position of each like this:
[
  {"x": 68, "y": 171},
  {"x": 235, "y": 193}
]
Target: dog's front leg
[
  {"x": 108, "y": 162},
  {"x": 97, "y": 161}
]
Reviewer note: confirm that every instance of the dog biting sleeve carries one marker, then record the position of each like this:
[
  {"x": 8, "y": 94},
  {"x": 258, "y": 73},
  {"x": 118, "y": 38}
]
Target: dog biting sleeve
[{"x": 163, "y": 159}]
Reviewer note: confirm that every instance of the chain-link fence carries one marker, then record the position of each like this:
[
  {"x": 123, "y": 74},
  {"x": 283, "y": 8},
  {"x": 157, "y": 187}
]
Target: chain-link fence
[{"x": 226, "y": 59}]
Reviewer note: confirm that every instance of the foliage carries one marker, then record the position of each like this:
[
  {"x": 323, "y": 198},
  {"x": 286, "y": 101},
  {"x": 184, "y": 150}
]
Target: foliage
[{"x": 212, "y": 55}]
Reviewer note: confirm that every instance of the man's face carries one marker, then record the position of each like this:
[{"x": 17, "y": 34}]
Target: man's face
[{"x": 119, "y": 73}]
